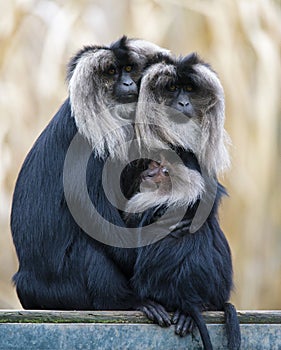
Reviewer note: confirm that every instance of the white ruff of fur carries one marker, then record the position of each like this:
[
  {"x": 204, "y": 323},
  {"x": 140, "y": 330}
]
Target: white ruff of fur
[
  {"x": 187, "y": 186},
  {"x": 214, "y": 138},
  {"x": 205, "y": 136},
  {"x": 91, "y": 104}
]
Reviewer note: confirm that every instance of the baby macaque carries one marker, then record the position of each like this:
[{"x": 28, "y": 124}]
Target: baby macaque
[{"x": 163, "y": 183}]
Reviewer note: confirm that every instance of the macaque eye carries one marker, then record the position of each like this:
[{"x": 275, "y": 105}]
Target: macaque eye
[
  {"x": 172, "y": 87},
  {"x": 111, "y": 71},
  {"x": 128, "y": 68},
  {"x": 189, "y": 88},
  {"x": 165, "y": 171}
]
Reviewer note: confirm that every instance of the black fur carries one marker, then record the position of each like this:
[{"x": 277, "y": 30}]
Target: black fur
[
  {"x": 61, "y": 267},
  {"x": 185, "y": 64},
  {"x": 160, "y": 57}
]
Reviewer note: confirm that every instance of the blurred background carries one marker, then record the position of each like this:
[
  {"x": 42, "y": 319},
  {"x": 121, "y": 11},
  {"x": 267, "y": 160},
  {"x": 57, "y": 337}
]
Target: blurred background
[{"x": 242, "y": 41}]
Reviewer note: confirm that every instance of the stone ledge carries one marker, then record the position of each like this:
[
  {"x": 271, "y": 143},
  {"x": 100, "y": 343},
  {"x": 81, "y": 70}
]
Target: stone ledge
[{"x": 102, "y": 330}]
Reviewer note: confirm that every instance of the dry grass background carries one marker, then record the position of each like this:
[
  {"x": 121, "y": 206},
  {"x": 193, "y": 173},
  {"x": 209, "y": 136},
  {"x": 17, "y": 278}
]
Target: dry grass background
[{"x": 240, "y": 38}]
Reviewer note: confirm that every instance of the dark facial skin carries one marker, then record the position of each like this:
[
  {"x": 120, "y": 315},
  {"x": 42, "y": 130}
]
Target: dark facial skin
[
  {"x": 180, "y": 97},
  {"x": 155, "y": 172},
  {"x": 180, "y": 87},
  {"x": 156, "y": 175},
  {"x": 125, "y": 88}
]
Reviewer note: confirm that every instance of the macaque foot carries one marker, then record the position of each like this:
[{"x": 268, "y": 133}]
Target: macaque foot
[
  {"x": 156, "y": 313},
  {"x": 184, "y": 324}
]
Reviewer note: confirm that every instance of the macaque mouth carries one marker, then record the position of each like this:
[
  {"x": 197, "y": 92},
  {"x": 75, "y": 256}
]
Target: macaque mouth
[
  {"x": 188, "y": 115},
  {"x": 127, "y": 98},
  {"x": 133, "y": 96},
  {"x": 180, "y": 117},
  {"x": 148, "y": 185}
]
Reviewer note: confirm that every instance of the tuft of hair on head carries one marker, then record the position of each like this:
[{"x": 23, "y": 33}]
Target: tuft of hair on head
[
  {"x": 192, "y": 58},
  {"x": 159, "y": 57},
  {"x": 185, "y": 65},
  {"x": 121, "y": 50},
  {"x": 119, "y": 43}
]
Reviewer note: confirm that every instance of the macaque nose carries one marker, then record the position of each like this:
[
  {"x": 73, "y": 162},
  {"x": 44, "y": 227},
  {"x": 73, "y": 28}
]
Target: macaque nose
[
  {"x": 183, "y": 103},
  {"x": 152, "y": 172},
  {"x": 128, "y": 82}
]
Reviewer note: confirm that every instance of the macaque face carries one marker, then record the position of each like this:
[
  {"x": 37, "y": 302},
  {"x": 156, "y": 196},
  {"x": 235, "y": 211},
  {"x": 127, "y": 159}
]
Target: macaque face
[{"x": 156, "y": 176}]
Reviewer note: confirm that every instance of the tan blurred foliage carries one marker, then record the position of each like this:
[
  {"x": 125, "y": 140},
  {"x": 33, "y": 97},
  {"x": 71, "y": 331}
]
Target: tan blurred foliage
[{"x": 240, "y": 38}]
